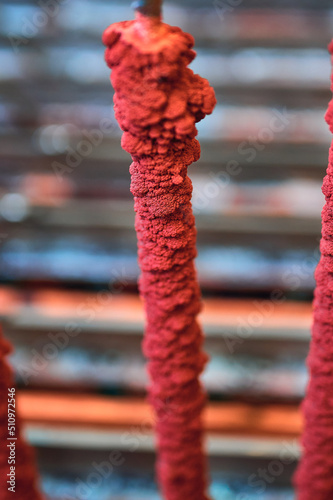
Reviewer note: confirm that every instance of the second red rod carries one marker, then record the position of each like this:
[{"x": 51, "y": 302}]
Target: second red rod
[{"x": 314, "y": 477}]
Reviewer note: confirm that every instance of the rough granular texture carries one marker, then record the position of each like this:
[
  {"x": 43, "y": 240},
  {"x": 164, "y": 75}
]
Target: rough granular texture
[
  {"x": 157, "y": 102},
  {"x": 25, "y": 473},
  {"x": 314, "y": 477}
]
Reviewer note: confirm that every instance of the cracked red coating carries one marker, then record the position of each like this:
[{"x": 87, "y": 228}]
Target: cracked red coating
[
  {"x": 157, "y": 102},
  {"x": 314, "y": 477}
]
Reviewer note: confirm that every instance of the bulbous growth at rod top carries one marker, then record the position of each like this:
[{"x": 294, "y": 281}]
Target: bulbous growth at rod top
[
  {"x": 314, "y": 476},
  {"x": 158, "y": 99}
]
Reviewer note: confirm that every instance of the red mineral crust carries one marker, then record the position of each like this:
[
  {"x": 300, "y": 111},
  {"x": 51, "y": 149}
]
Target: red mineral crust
[
  {"x": 314, "y": 477},
  {"x": 25, "y": 474},
  {"x": 157, "y": 102}
]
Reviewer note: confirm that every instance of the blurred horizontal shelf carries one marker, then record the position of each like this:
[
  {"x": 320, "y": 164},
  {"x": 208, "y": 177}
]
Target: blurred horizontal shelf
[
  {"x": 306, "y": 23},
  {"x": 68, "y": 438},
  {"x": 119, "y": 214},
  {"x": 75, "y": 421},
  {"x": 16, "y": 165},
  {"x": 277, "y": 155},
  {"x": 123, "y": 314},
  {"x": 235, "y": 93},
  {"x": 267, "y": 89}
]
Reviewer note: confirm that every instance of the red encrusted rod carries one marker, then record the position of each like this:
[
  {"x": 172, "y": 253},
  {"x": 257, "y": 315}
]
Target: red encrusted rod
[
  {"x": 314, "y": 477},
  {"x": 20, "y": 482},
  {"x": 157, "y": 102}
]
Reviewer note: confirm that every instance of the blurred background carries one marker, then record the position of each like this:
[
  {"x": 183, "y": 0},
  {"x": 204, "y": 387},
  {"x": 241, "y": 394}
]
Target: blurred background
[{"x": 69, "y": 300}]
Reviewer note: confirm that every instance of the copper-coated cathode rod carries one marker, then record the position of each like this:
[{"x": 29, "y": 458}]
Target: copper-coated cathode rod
[{"x": 157, "y": 102}]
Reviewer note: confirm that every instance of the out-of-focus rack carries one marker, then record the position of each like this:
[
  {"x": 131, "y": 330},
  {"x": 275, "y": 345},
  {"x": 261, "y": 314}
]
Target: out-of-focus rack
[
  {"x": 123, "y": 314},
  {"x": 309, "y": 157},
  {"x": 108, "y": 215},
  {"x": 225, "y": 69},
  {"x": 235, "y": 429},
  {"x": 306, "y": 24},
  {"x": 258, "y": 234},
  {"x": 44, "y": 435}
]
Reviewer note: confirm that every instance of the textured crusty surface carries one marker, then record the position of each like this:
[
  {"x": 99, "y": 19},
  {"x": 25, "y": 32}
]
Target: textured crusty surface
[
  {"x": 314, "y": 477},
  {"x": 157, "y": 102},
  {"x": 25, "y": 474}
]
